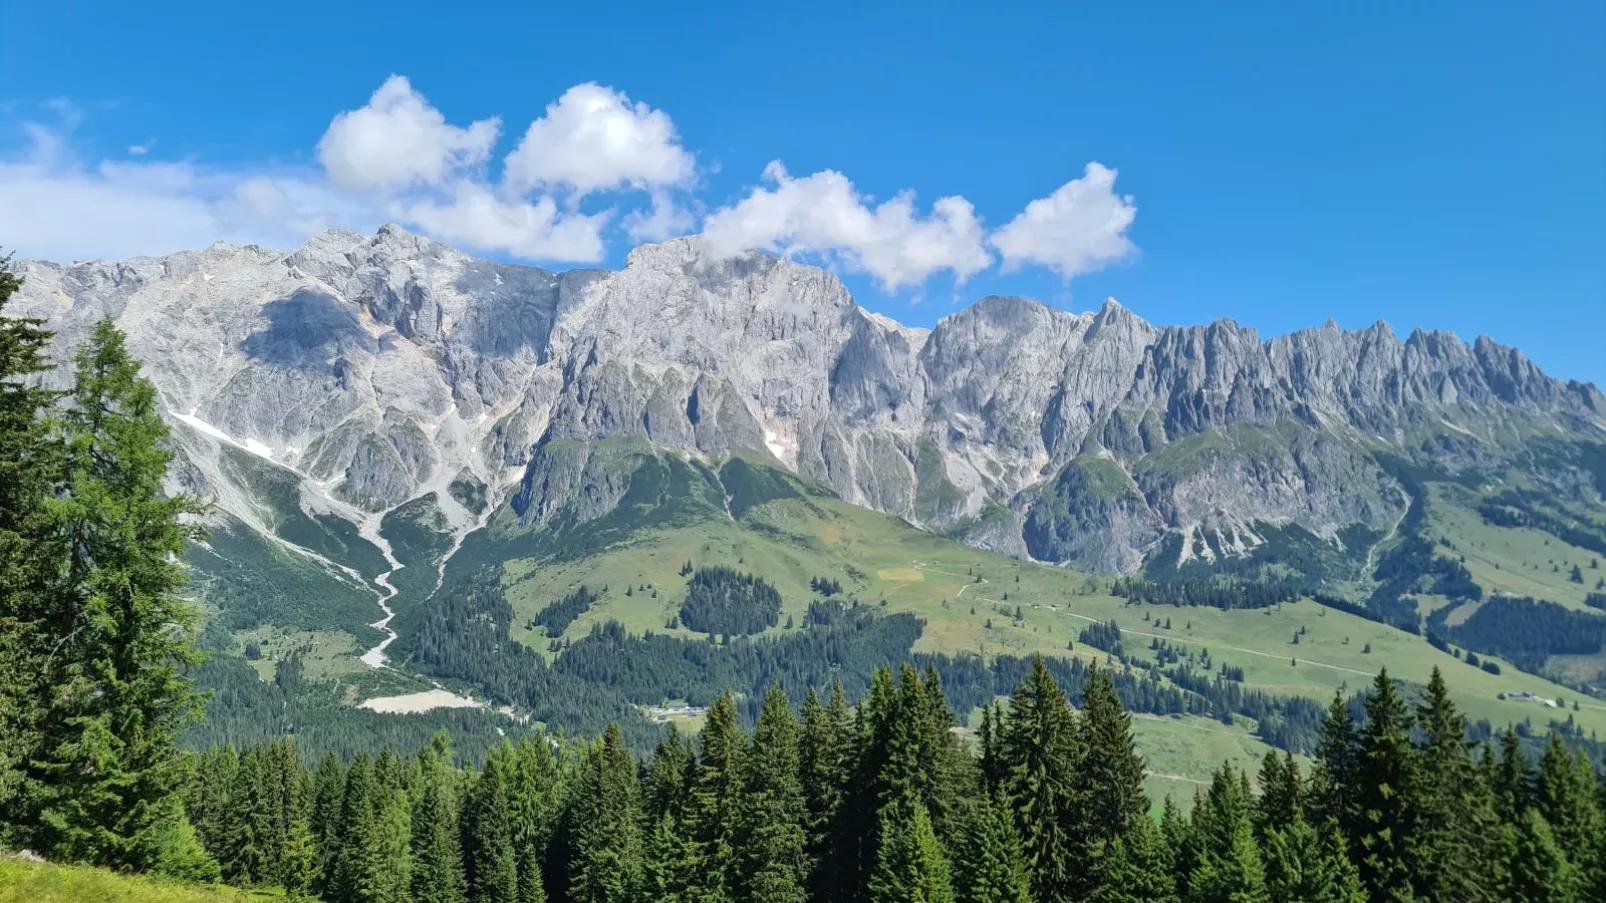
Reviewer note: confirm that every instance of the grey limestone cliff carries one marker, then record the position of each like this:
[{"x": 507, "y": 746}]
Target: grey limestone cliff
[{"x": 381, "y": 368}]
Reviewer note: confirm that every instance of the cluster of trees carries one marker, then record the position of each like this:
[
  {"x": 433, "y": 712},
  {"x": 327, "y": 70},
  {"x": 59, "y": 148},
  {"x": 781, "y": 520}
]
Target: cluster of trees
[
  {"x": 1525, "y": 631},
  {"x": 725, "y": 601},
  {"x": 94, "y": 640},
  {"x": 826, "y": 586},
  {"x": 1215, "y": 592},
  {"x": 884, "y": 803},
  {"x": 1525, "y": 508},
  {"x": 557, "y": 617}
]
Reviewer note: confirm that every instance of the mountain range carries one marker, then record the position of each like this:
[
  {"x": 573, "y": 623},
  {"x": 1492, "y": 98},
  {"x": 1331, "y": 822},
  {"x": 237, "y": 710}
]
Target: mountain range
[{"x": 381, "y": 368}]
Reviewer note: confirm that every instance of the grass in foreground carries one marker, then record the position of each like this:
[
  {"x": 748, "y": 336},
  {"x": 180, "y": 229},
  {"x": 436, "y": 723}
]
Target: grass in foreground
[{"x": 35, "y": 882}]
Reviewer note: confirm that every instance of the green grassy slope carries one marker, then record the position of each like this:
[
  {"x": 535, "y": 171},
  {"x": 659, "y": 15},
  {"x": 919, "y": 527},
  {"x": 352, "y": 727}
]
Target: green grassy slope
[
  {"x": 29, "y": 882},
  {"x": 799, "y": 534}
]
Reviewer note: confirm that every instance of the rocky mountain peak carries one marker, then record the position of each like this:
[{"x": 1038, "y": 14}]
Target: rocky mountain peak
[{"x": 380, "y": 368}]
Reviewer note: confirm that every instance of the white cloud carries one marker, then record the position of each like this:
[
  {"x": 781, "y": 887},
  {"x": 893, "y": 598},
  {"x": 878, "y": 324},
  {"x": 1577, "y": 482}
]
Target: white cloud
[
  {"x": 399, "y": 141},
  {"x": 594, "y": 139},
  {"x": 823, "y": 214},
  {"x": 1079, "y": 228},
  {"x": 556, "y": 198},
  {"x": 60, "y": 208},
  {"x": 663, "y": 220},
  {"x": 477, "y": 217}
]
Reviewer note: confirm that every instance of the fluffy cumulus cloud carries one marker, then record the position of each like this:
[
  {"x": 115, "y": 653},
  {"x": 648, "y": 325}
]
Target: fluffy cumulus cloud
[
  {"x": 476, "y": 217},
  {"x": 594, "y": 139},
  {"x": 823, "y": 214},
  {"x": 594, "y": 165},
  {"x": 1079, "y": 228},
  {"x": 398, "y": 141}
]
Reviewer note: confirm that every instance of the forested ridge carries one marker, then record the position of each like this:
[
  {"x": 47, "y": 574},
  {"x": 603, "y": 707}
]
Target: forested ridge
[{"x": 883, "y": 800}]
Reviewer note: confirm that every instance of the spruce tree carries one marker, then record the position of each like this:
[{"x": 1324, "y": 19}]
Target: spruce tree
[
  {"x": 391, "y": 879},
  {"x": 436, "y": 847},
  {"x": 824, "y": 760},
  {"x": 1109, "y": 782},
  {"x": 607, "y": 864},
  {"x": 1387, "y": 795},
  {"x": 670, "y": 862},
  {"x": 1140, "y": 868},
  {"x": 1512, "y": 779},
  {"x": 31, "y": 550},
  {"x": 1333, "y": 778},
  {"x": 1455, "y": 851},
  {"x": 987, "y": 865},
  {"x": 910, "y": 864},
  {"x": 109, "y": 772},
  {"x": 1282, "y": 794},
  {"x": 1310, "y": 865},
  {"x": 1040, "y": 756},
  {"x": 1538, "y": 870},
  {"x": 1565, "y": 794},
  {"x": 773, "y": 861},
  {"x": 712, "y": 810},
  {"x": 328, "y": 794},
  {"x": 1228, "y": 867},
  {"x": 489, "y": 857},
  {"x": 356, "y": 856}
]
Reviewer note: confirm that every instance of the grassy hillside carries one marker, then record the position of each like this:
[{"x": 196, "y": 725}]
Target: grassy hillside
[
  {"x": 968, "y": 599},
  {"x": 31, "y": 882}
]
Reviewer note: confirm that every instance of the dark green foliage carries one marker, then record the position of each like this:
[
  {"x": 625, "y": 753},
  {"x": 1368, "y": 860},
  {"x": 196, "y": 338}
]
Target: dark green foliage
[
  {"x": 1389, "y": 795},
  {"x": 557, "y": 617},
  {"x": 988, "y": 866},
  {"x": 911, "y": 866},
  {"x": 721, "y": 600},
  {"x": 1140, "y": 868},
  {"x": 606, "y": 864},
  {"x": 104, "y": 768},
  {"x": 1041, "y": 753},
  {"x": 1525, "y": 631}
]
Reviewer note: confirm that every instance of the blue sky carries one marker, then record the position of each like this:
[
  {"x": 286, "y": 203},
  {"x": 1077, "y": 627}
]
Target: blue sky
[{"x": 1432, "y": 164}]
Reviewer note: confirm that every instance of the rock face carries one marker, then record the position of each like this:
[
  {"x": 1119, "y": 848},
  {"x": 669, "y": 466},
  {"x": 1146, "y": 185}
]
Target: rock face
[{"x": 381, "y": 368}]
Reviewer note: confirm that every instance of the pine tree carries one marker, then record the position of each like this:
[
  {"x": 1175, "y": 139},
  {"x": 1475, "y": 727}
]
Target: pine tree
[
  {"x": 436, "y": 847},
  {"x": 824, "y": 763},
  {"x": 1040, "y": 754},
  {"x": 1565, "y": 794},
  {"x": 1282, "y": 794},
  {"x": 670, "y": 863},
  {"x": 712, "y": 810},
  {"x": 1539, "y": 870},
  {"x": 31, "y": 549},
  {"x": 356, "y": 857},
  {"x": 910, "y": 864},
  {"x": 1512, "y": 780},
  {"x": 1181, "y": 841},
  {"x": 1310, "y": 865},
  {"x": 328, "y": 794},
  {"x": 109, "y": 769},
  {"x": 1455, "y": 852},
  {"x": 1108, "y": 785},
  {"x": 1387, "y": 794},
  {"x": 1333, "y": 779},
  {"x": 489, "y": 857},
  {"x": 1228, "y": 867},
  {"x": 987, "y": 866},
  {"x": 771, "y": 812},
  {"x": 607, "y": 862},
  {"x": 390, "y": 881},
  {"x": 298, "y": 860},
  {"x": 1140, "y": 868}
]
